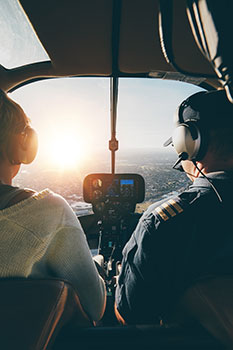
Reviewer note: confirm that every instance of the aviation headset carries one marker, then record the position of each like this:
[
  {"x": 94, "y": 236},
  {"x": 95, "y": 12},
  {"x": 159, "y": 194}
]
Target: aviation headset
[
  {"x": 20, "y": 147},
  {"x": 189, "y": 138},
  {"x": 194, "y": 117},
  {"x": 26, "y": 151}
]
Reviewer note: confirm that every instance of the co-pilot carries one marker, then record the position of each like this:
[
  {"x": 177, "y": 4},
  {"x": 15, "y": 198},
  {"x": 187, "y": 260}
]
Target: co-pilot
[{"x": 40, "y": 235}]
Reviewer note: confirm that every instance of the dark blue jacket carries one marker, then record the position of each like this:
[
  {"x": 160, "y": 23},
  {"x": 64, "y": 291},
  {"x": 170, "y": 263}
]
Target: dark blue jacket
[{"x": 177, "y": 241}]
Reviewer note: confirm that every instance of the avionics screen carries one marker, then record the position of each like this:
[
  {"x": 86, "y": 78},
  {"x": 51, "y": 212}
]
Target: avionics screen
[
  {"x": 127, "y": 187},
  {"x": 121, "y": 188},
  {"x": 127, "y": 182}
]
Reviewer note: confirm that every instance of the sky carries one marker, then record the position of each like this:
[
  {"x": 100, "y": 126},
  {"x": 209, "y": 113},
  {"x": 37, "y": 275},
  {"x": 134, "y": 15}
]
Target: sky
[{"x": 72, "y": 115}]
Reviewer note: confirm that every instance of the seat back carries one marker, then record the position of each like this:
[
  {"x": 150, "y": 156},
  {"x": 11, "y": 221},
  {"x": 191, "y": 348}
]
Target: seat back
[
  {"x": 33, "y": 311},
  {"x": 210, "y": 302}
]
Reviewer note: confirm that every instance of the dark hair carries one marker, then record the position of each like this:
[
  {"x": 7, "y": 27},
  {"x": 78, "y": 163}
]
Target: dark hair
[{"x": 221, "y": 143}]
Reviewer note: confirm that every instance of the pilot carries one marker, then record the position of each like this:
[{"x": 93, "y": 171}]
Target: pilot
[
  {"x": 184, "y": 238},
  {"x": 40, "y": 235}
]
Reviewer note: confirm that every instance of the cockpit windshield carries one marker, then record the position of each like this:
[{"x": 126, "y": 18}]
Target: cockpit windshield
[{"x": 72, "y": 118}]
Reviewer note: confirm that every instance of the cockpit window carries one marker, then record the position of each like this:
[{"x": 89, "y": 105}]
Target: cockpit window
[
  {"x": 146, "y": 110},
  {"x": 72, "y": 118},
  {"x": 19, "y": 43}
]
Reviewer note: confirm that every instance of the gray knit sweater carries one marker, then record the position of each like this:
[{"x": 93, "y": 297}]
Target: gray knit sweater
[{"x": 41, "y": 237}]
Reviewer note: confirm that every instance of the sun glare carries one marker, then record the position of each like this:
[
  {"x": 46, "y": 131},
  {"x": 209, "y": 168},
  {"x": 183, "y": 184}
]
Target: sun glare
[{"x": 66, "y": 150}]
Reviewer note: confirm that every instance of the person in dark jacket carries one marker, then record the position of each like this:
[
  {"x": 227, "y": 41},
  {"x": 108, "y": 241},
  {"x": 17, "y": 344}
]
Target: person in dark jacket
[{"x": 182, "y": 239}]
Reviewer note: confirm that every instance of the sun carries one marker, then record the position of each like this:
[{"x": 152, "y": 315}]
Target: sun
[{"x": 66, "y": 150}]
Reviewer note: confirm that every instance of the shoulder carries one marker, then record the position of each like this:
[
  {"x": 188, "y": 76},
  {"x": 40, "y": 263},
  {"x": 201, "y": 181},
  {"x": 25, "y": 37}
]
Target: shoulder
[
  {"x": 180, "y": 205},
  {"x": 47, "y": 195},
  {"x": 170, "y": 208},
  {"x": 48, "y": 198},
  {"x": 58, "y": 206},
  {"x": 20, "y": 196},
  {"x": 164, "y": 209}
]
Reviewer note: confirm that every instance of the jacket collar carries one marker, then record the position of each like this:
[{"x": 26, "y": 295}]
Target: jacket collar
[{"x": 201, "y": 181}]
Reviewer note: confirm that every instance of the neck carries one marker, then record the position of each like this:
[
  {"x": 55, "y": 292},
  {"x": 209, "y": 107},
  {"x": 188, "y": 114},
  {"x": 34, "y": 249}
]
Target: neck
[
  {"x": 7, "y": 172},
  {"x": 5, "y": 180},
  {"x": 212, "y": 165}
]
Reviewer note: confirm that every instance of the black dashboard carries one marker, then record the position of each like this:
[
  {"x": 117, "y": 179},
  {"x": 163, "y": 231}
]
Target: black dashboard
[
  {"x": 113, "y": 195},
  {"x": 113, "y": 198}
]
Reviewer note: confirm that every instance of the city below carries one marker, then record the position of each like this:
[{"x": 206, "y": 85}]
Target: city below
[{"x": 161, "y": 179}]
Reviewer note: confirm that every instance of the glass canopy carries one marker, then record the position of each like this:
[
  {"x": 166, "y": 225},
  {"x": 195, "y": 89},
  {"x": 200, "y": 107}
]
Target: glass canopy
[{"x": 18, "y": 41}]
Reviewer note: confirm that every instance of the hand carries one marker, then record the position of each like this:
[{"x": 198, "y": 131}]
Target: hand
[{"x": 99, "y": 263}]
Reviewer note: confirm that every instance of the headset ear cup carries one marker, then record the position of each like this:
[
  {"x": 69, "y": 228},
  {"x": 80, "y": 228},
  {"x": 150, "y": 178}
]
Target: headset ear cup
[
  {"x": 24, "y": 150},
  {"x": 28, "y": 150},
  {"x": 187, "y": 141}
]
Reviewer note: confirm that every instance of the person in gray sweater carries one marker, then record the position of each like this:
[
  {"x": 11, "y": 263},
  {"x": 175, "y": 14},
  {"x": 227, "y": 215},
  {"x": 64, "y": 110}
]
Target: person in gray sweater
[{"x": 40, "y": 234}]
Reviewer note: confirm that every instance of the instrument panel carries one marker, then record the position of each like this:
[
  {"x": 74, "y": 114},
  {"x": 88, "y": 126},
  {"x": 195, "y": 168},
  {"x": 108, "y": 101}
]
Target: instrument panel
[
  {"x": 113, "y": 198},
  {"x": 109, "y": 192}
]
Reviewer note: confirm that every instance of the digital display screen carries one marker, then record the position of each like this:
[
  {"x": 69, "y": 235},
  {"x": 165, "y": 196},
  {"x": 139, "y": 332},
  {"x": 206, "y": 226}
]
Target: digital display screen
[
  {"x": 113, "y": 189},
  {"x": 127, "y": 188},
  {"x": 121, "y": 187},
  {"x": 127, "y": 182}
]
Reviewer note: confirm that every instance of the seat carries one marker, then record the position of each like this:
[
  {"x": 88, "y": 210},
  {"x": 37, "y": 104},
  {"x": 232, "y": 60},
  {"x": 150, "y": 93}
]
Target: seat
[
  {"x": 33, "y": 311},
  {"x": 210, "y": 302}
]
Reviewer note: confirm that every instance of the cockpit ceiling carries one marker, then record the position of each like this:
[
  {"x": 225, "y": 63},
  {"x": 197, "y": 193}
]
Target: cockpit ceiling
[
  {"x": 77, "y": 36},
  {"x": 109, "y": 37}
]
